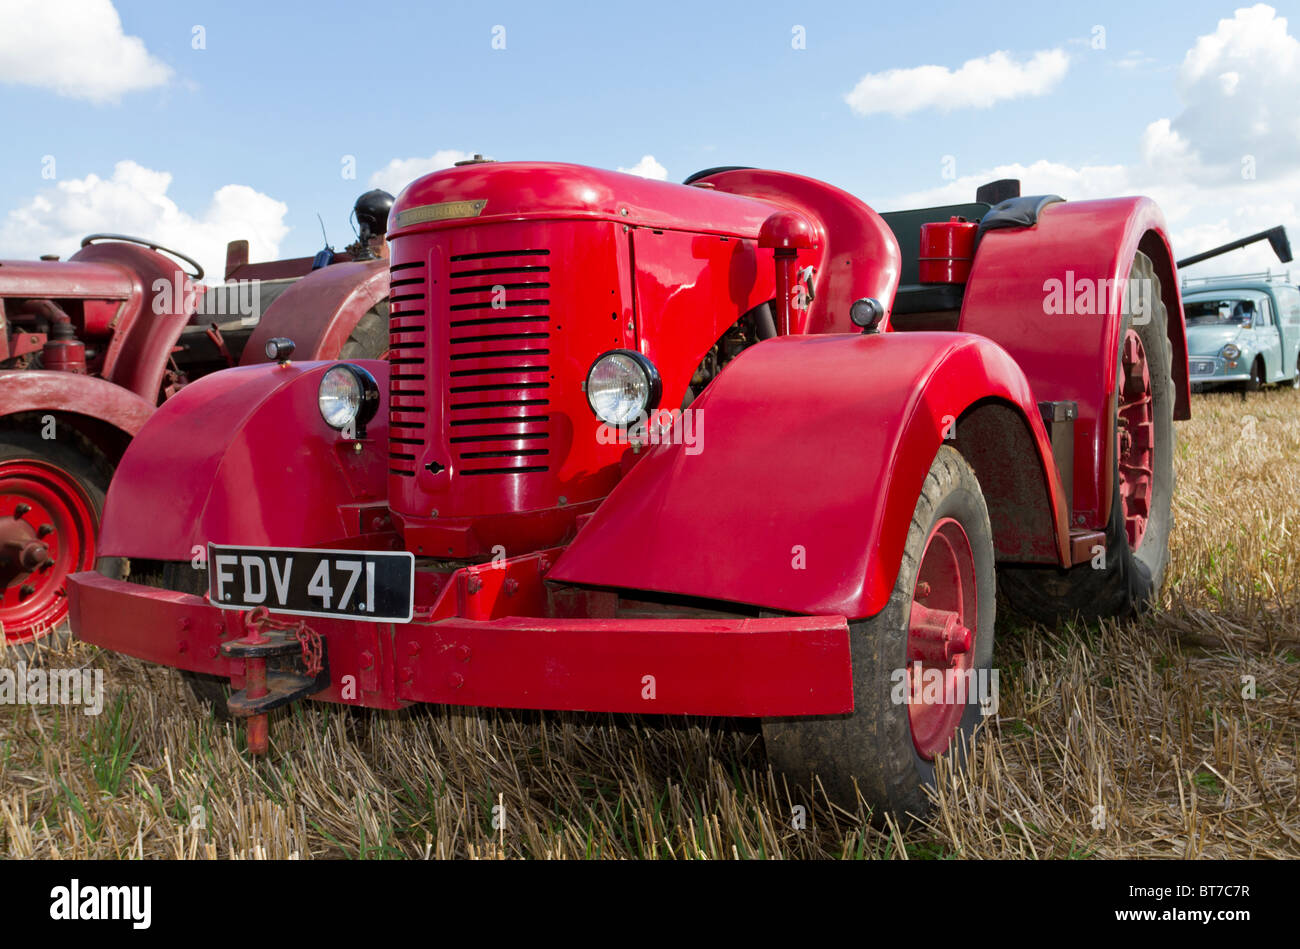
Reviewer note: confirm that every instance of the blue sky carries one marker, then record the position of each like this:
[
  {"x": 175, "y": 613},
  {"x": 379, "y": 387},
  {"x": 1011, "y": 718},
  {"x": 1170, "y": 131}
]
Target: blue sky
[{"x": 282, "y": 92}]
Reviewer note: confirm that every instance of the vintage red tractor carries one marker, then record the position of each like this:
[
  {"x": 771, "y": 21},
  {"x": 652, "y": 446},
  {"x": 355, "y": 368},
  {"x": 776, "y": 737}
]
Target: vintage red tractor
[
  {"x": 89, "y": 347},
  {"x": 738, "y": 447}
]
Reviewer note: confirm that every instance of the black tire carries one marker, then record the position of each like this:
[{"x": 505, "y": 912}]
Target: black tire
[
  {"x": 91, "y": 470},
  {"x": 212, "y": 691},
  {"x": 1256, "y": 380},
  {"x": 369, "y": 338},
  {"x": 1295, "y": 380},
  {"x": 873, "y": 746},
  {"x": 1128, "y": 580}
]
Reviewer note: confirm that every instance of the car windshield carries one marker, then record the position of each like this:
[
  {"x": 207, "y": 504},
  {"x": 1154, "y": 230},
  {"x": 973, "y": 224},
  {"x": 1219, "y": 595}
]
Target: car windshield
[{"x": 1237, "y": 310}]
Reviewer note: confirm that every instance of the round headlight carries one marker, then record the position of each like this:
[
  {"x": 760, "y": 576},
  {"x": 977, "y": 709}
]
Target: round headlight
[
  {"x": 622, "y": 385},
  {"x": 1230, "y": 351},
  {"x": 348, "y": 395}
]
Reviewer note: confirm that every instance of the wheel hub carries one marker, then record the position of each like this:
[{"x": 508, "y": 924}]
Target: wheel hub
[
  {"x": 47, "y": 532},
  {"x": 941, "y": 638},
  {"x": 1135, "y": 437}
]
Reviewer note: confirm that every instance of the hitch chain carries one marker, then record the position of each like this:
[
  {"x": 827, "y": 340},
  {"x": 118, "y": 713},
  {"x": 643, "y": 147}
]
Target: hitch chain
[{"x": 259, "y": 621}]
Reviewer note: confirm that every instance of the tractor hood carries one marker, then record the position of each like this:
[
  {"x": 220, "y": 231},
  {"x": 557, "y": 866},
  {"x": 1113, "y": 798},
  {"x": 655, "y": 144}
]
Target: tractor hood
[{"x": 523, "y": 190}]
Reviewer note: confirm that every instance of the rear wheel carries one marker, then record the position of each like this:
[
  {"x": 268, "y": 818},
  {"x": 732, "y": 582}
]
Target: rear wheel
[
  {"x": 369, "y": 338},
  {"x": 1126, "y": 576},
  {"x": 51, "y": 496},
  {"x": 916, "y": 665}
]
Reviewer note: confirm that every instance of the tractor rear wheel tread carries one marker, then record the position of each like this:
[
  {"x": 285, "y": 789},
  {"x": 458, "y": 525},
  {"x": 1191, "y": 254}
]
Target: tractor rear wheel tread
[{"x": 1128, "y": 580}]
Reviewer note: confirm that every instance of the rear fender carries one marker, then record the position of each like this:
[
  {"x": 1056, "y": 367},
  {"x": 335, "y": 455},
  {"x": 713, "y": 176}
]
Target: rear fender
[
  {"x": 808, "y": 457},
  {"x": 243, "y": 457},
  {"x": 320, "y": 311},
  {"x": 1020, "y": 295}
]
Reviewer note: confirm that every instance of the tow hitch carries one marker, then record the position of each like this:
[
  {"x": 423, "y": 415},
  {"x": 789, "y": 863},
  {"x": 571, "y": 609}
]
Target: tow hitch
[{"x": 283, "y": 662}]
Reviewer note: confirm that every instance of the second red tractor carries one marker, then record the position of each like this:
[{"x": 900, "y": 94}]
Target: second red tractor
[{"x": 738, "y": 447}]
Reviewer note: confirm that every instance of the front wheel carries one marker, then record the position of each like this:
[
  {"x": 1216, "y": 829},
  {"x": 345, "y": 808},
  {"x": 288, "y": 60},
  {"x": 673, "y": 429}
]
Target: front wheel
[
  {"x": 1256, "y": 380},
  {"x": 921, "y": 667},
  {"x": 51, "y": 496}
]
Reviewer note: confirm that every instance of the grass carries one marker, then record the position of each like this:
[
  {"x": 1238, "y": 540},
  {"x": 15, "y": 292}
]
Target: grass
[{"x": 1174, "y": 735}]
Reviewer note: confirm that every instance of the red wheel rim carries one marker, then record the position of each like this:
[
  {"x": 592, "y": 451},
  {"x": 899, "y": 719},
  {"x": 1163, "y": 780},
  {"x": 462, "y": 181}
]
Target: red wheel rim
[
  {"x": 941, "y": 637},
  {"x": 1135, "y": 437},
  {"x": 47, "y": 531}
]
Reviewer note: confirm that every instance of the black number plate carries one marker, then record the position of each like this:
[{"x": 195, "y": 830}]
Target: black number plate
[{"x": 355, "y": 584}]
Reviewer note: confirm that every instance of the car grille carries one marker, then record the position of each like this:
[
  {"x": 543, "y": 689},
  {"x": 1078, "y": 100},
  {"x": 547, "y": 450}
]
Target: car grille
[
  {"x": 498, "y": 334},
  {"x": 408, "y": 329}
]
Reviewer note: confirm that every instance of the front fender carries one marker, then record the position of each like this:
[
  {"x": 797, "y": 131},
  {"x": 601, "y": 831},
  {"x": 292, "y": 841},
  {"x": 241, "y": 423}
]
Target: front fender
[
  {"x": 319, "y": 311},
  {"x": 58, "y": 393},
  {"x": 243, "y": 457},
  {"x": 809, "y": 456}
]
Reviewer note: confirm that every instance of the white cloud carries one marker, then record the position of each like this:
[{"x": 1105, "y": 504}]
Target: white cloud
[
  {"x": 1224, "y": 167},
  {"x": 1240, "y": 86},
  {"x": 76, "y": 48},
  {"x": 400, "y": 172},
  {"x": 647, "y": 167},
  {"x": 977, "y": 84},
  {"x": 134, "y": 201}
]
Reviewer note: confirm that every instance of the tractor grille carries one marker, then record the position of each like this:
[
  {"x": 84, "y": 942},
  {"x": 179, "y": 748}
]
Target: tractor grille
[
  {"x": 408, "y": 328},
  {"x": 499, "y": 376}
]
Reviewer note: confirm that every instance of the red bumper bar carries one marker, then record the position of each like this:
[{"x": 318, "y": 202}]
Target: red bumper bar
[{"x": 731, "y": 667}]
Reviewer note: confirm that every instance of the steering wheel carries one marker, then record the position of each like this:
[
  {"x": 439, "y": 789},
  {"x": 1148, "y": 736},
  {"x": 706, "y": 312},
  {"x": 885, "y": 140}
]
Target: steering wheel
[{"x": 198, "y": 268}]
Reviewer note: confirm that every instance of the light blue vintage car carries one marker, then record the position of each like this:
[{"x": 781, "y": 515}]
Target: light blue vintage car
[{"x": 1243, "y": 330}]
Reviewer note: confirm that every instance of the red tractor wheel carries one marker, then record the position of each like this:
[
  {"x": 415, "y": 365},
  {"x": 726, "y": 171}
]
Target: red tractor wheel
[
  {"x": 1126, "y": 576},
  {"x": 917, "y": 665},
  {"x": 50, "y": 500}
]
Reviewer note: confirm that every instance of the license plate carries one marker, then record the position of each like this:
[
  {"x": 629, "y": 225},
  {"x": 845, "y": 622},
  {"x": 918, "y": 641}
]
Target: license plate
[{"x": 354, "y": 584}]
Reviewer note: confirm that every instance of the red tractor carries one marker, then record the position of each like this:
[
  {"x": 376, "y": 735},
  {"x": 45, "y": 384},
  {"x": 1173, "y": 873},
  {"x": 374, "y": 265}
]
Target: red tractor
[
  {"x": 89, "y": 347},
  {"x": 523, "y": 507}
]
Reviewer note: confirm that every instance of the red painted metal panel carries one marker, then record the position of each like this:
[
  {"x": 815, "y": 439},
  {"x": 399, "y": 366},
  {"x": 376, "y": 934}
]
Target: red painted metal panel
[
  {"x": 857, "y": 254},
  {"x": 65, "y": 280},
  {"x": 39, "y": 391},
  {"x": 320, "y": 310},
  {"x": 690, "y": 288},
  {"x": 186, "y": 632},
  {"x": 162, "y": 299},
  {"x": 493, "y": 330},
  {"x": 814, "y": 452},
  {"x": 1071, "y": 356},
  {"x": 763, "y": 667},
  {"x": 524, "y": 190},
  {"x": 265, "y": 470}
]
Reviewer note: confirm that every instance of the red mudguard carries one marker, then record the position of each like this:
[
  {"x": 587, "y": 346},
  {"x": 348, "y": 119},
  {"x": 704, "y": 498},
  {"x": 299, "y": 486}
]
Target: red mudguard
[{"x": 800, "y": 491}]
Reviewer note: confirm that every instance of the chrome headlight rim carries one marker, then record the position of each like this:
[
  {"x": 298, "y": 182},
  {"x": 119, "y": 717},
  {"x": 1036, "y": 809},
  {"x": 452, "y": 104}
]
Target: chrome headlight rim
[
  {"x": 1230, "y": 351},
  {"x": 653, "y": 386},
  {"x": 366, "y": 402}
]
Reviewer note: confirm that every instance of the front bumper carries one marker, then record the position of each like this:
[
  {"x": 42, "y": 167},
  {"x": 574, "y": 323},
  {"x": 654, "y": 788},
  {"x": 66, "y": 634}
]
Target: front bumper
[
  {"x": 771, "y": 667},
  {"x": 1212, "y": 369}
]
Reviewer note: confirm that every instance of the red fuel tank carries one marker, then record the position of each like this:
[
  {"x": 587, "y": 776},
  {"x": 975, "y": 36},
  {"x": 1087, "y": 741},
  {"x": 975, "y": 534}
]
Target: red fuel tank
[{"x": 947, "y": 249}]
